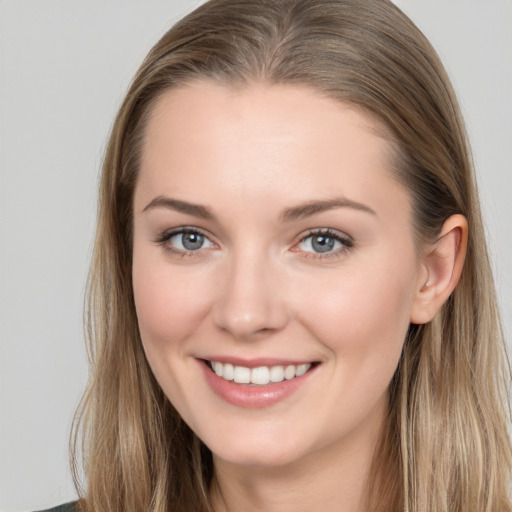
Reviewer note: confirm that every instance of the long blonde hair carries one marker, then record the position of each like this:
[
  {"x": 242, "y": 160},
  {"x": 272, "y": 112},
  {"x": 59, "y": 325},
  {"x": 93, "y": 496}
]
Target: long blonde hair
[{"x": 446, "y": 446}]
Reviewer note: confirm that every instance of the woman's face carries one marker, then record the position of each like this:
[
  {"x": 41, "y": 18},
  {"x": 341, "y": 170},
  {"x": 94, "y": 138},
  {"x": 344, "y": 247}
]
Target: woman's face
[{"x": 270, "y": 239}]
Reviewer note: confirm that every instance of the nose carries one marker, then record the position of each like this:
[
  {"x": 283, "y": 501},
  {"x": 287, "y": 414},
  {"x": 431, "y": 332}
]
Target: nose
[{"x": 251, "y": 300}]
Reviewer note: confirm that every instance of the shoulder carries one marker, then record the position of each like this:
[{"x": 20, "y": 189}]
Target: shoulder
[{"x": 67, "y": 507}]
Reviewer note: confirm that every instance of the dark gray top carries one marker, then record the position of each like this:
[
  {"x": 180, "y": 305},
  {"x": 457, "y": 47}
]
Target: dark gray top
[{"x": 67, "y": 507}]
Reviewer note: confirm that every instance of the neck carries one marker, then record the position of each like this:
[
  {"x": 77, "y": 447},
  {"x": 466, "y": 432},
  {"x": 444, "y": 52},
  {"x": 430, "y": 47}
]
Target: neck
[{"x": 334, "y": 478}]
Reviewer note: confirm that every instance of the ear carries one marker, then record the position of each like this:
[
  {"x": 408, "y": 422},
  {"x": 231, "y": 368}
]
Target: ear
[{"x": 441, "y": 269}]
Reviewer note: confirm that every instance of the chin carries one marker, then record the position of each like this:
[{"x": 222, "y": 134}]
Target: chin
[
  {"x": 257, "y": 459},
  {"x": 263, "y": 452}
]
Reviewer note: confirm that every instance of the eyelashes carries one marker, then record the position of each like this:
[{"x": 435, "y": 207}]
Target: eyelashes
[
  {"x": 321, "y": 243},
  {"x": 185, "y": 241},
  {"x": 324, "y": 243}
]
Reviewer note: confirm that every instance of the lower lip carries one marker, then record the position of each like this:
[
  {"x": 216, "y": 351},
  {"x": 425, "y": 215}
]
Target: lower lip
[{"x": 252, "y": 397}]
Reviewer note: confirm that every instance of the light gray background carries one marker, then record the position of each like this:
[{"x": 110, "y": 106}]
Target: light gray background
[{"x": 64, "y": 66}]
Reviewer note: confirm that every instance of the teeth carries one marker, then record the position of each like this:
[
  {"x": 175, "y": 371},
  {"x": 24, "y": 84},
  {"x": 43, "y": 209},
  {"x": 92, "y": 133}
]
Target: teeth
[
  {"x": 259, "y": 376},
  {"x": 218, "y": 368},
  {"x": 242, "y": 375},
  {"x": 289, "y": 372},
  {"x": 300, "y": 370},
  {"x": 229, "y": 371},
  {"x": 276, "y": 374}
]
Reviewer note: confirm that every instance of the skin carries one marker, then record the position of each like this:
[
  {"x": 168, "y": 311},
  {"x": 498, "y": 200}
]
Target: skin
[{"x": 257, "y": 288}]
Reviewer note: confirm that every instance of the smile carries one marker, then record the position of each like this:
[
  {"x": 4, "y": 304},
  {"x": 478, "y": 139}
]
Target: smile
[
  {"x": 260, "y": 376},
  {"x": 257, "y": 385}
]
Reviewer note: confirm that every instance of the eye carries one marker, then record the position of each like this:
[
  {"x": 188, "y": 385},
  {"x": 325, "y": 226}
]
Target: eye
[
  {"x": 184, "y": 240},
  {"x": 324, "y": 241},
  {"x": 189, "y": 241}
]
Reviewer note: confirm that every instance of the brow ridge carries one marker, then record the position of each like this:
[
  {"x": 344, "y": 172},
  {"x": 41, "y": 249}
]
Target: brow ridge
[
  {"x": 313, "y": 207},
  {"x": 294, "y": 213},
  {"x": 169, "y": 203}
]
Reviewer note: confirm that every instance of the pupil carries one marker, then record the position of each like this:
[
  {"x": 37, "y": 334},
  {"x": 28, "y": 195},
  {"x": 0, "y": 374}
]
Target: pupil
[
  {"x": 192, "y": 241},
  {"x": 323, "y": 243}
]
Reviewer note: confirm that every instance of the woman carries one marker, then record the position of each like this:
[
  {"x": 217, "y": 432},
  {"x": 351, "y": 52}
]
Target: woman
[{"x": 291, "y": 305}]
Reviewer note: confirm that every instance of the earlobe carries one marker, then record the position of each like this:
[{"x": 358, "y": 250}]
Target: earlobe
[{"x": 443, "y": 263}]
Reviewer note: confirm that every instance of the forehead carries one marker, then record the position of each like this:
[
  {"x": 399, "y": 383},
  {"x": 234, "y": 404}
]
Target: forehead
[{"x": 270, "y": 143}]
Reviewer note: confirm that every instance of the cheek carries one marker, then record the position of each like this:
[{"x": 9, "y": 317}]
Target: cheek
[
  {"x": 361, "y": 314},
  {"x": 361, "y": 319},
  {"x": 170, "y": 302}
]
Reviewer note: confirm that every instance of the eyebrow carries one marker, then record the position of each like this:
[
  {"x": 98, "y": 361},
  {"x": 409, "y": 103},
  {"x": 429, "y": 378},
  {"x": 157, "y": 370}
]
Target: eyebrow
[
  {"x": 313, "y": 207},
  {"x": 299, "y": 212},
  {"x": 196, "y": 210}
]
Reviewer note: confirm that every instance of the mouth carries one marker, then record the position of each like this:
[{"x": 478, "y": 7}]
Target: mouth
[
  {"x": 259, "y": 383},
  {"x": 260, "y": 375}
]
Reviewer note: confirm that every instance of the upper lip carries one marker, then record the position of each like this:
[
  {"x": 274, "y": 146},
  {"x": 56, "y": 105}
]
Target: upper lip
[{"x": 256, "y": 362}]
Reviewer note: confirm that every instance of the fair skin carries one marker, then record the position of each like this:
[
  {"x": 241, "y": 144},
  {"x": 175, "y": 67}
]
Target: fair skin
[{"x": 261, "y": 278}]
